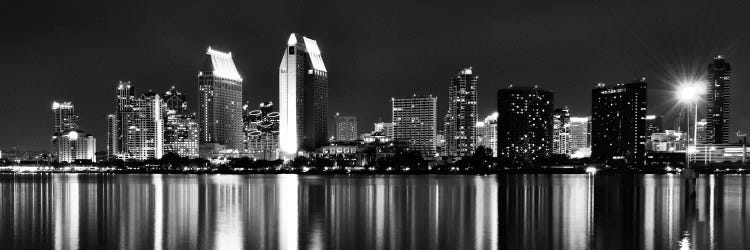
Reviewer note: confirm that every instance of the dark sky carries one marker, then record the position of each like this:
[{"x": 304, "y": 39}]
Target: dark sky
[{"x": 78, "y": 50}]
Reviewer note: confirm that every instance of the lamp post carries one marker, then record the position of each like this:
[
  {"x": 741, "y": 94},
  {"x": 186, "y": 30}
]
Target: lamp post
[{"x": 689, "y": 93}]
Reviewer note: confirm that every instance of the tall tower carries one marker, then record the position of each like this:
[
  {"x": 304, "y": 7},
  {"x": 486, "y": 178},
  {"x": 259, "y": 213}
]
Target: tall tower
[
  {"x": 618, "y": 122},
  {"x": 524, "y": 124},
  {"x": 415, "y": 122},
  {"x": 64, "y": 117},
  {"x": 717, "y": 101},
  {"x": 136, "y": 130},
  {"x": 220, "y": 113},
  {"x": 461, "y": 119},
  {"x": 303, "y": 97},
  {"x": 561, "y": 132}
]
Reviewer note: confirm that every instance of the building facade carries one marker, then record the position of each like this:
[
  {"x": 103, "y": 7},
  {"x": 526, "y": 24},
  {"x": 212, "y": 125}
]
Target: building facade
[
  {"x": 180, "y": 127},
  {"x": 71, "y": 145},
  {"x": 487, "y": 133},
  {"x": 303, "y": 97},
  {"x": 654, "y": 124},
  {"x": 136, "y": 130},
  {"x": 561, "y": 132},
  {"x": 618, "y": 124},
  {"x": 64, "y": 117},
  {"x": 415, "y": 122},
  {"x": 346, "y": 128},
  {"x": 220, "y": 97},
  {"x": 524, "y": 124},
  {"x": 717, "y": 101},
  {"x": 461, "y": 118},
  {"x": 580, "y": 137},
  {"x": 262, "y": 132}
]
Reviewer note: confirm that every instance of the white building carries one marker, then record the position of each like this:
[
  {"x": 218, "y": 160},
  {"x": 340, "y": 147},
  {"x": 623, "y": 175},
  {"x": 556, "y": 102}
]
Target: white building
[
  {"x": 73, "y": 145},
  {"x": 415, "y": 122},
  {"x": 580, "y": 137}
]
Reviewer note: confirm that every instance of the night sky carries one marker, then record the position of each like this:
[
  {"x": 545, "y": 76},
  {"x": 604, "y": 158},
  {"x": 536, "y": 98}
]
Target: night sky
[{"x": 77, "y": 51}]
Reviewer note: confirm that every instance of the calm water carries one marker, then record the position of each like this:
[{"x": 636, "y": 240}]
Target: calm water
[{"x": 95, "y": 211}]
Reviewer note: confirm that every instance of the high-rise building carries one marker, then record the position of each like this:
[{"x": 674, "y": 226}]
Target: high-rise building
[
  {"x": 487, "y": 133},
  {"x": 580, "y": 137},
  {"x": 64, "y": 117},
  {"x": 524, "y": 123},
  {"x": 303, "y": 97},
  {"x": 346, "y": 127},
  {"x": 654, "y": 124},
  {"x": 180, "y": 126},
  {"x": 717, "y": 101},
  {"x": 136, "y": 131},
  {"x": 618, "y": 123},
  {"x": 220, "y": 113},
  {"x": 72, "y": 145},
  {"x": 561, "y": 132},
  {"x": 415, "y": 122},
  {"x": 461, "y": 118},
  {"x": 262, "y": 131}
]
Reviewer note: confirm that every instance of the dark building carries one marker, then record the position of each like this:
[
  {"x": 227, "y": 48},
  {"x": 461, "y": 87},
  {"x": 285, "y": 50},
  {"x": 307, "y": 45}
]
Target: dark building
[
  {"x": 461, "y": 119},
  {"x": 618, "y": 126},
  {"x": 654, "y": 124},
  {"x": 717, "y": 101},
  {"x": 524, "y": 124}
]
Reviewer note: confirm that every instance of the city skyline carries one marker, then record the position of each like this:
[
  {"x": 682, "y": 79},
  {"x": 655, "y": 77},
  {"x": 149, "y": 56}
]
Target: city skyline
[{"x": 629, "y": 50}]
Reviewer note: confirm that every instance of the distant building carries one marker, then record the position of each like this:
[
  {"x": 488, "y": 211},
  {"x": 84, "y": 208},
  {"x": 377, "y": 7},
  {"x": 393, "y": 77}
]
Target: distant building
[
  {"x": 654, "y": 124},
  {"x": 618, "y": 125},
  {"x": 487, "y": 133},
  {"x": 667, "y": 141},
  {"x": 220, "y": 98},
  {"x": 180, "y": 127},
  {"x": 415, "y": 122},
  {"x": 385, "y": 127},
  {"x": 346, "y": 128},
  {"x": 580, "y": 137},
  {"x": 262, "y": 132},
  {"x": 72, "y": 145},
  {"x": 64, "y": 117},
  {"x": 718, "y": 102},
  {"x": 561, "y": 132},
  {"x": 524, "y": 123},
  {"x": 461, "y": 118},
  {"x": 303, "y": 97},
  {"x": 136, "y": 131}
]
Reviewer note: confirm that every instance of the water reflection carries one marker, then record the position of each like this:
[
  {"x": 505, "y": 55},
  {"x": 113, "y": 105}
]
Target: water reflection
[{"x": 95, "y": 211}]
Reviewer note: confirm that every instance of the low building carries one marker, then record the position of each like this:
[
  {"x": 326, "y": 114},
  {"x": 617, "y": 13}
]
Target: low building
[{"x": 72, "y": 146}]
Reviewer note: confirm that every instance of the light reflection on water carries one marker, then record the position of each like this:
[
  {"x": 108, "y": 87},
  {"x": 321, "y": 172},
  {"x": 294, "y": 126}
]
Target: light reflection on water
[{"x": 95, "y": 211}]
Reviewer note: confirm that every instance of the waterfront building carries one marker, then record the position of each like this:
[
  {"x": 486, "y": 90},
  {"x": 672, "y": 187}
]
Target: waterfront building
[
  {"x": 415, "y": 122},
  {"x": 524, "y": 123},
  {"x": 261, "y": 132},
  {"x": 561, "y": 132},
  {"x": 180, "y": 127},
  {"x": 618, "y": 125},
  {"x": 580, "y": 137},
  {"x": 667, "y": 141},
  {"x": 303, "y": 97},
  {"x": 487, "y": 133},
  {"x": 64, "y": 117},
  {"x": 718, "y": 102},
  {"x": 136, "y": 131},
  {"x": 220, "y": 98},
  {"x": 72, "y": 145},
  {"x": 461, "y": 118},
  {"x": 346, "y": 128}
]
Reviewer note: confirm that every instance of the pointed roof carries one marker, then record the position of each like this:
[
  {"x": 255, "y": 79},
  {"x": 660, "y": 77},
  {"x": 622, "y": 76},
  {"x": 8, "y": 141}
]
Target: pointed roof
[
  {"x": 312, "y": 49},
  {"x": 220, "y": 64}
]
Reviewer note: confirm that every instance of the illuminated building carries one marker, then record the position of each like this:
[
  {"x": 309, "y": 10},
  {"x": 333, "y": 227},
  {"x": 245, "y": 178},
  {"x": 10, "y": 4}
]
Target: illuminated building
[
  {"x": 654, "y": 124},
  {"x": 524, "y": 123},
  {"x": 261, "y": 128},
  {"x": 64, "y": 117},
  {"x": 561, "y": 132},
  {"x": 136, "y": 131},
  {"x": 385, "y": 127},
  {"x": 346, "y": 128},
  {"x": 667, "y": 141},
  {"x": 220, "y": 97},
  {"x": 461, "y": 118},
  {"x": 487, "y": 133},
  {"x": 180, "y": 127},
  {"x": 717, "y": 101},
  {"x": 618, "y": 123},
  {"x": 71, "y": 145},
  {"x": 580, "y": 137},
  {"x": 303, "y": 97},
  {"x": 415, "y": 122}
]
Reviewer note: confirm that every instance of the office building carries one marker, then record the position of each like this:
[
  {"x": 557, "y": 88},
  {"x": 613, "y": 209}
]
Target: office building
[
  {"x": 524, "y": 124},
  {"x": 561, "y": 132},
  {"x": 64, "y": 117},
  {"x": 618, "y": 123},
  {"x": 385, "y": 127},
  {"x": 303, "y": 97},
  {"x": 487, "y": 133},
  {"x": 136, "y": 131},
  {"x": 346, "y": 128},
  {"x": 415, "y": 122},
  {"x": 654, "y": 124},
  {"x": 717, "y": 101},
  {"x": 461, "y": 118},
  {"x": 261, "y": 128},
  {"x": 71, "y": 146},
  {"x": 180, "y": 127},
  {"x": 220, "y": 97},
  {"x": 580, "y": 137}
]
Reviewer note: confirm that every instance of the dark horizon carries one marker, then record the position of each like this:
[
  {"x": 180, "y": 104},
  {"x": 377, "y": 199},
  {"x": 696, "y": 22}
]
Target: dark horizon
[{"x": 78, "y": 52}]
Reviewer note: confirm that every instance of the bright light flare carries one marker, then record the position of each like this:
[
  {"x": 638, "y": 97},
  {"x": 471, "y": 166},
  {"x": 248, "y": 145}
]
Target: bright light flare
[
  {"x": 591, "y": 170},
  {"x": 689, "y": 92}
]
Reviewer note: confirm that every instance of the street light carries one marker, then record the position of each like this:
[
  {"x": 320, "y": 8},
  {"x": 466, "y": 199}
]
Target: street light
[{"x": 689, "y": 93}]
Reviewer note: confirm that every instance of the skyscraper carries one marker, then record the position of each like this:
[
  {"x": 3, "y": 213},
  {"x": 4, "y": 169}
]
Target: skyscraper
[
  {"x": 180, "y": 126},
  {"x": 346, "y": 128},
  {"x": 136, "y": 131},
  {"x": 618, "y": 124},
  {"x": 717, "y": 101},
  {"x": 580, "y": 137},
  {"x": 561, "y": 132},
  {"x": 64, "y": 117},
  {"x": 415, "y": 122},
  {"x": 524, "y": 123},
  {"x": 303, "y": 97},
  {"x": 461, "y": 119},
  {"x": 220, "y": 113}
]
